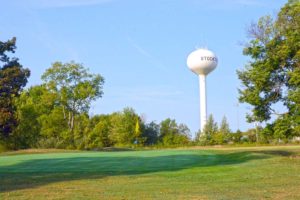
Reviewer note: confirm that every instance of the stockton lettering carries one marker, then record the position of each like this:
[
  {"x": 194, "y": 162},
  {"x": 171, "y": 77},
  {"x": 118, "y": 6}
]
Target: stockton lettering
[{"x": 209, "y": 58}]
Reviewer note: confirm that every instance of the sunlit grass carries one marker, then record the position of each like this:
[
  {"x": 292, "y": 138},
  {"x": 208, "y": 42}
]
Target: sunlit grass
[{"x": 212, "y": 173}]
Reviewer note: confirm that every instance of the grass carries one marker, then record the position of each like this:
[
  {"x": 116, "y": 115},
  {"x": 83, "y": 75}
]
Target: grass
[{"x": 191, "y": 173}]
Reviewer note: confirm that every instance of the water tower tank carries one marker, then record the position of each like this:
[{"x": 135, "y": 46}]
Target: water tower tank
[{"x": 202, "y": 61}]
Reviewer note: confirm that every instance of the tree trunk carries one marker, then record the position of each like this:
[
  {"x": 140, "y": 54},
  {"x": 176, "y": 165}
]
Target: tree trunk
[
  {"x": 69, "y": 120},
  {"x": 64, "y": 112},
  {"x": 72, "y": 122}
]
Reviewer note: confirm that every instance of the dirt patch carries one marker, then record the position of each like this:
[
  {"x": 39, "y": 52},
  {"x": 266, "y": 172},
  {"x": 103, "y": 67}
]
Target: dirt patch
[{"x": 295, "y": 157}]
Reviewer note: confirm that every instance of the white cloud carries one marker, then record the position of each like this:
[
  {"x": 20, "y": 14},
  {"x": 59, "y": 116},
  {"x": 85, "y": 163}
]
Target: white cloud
[{"x": 158, "y": 64}]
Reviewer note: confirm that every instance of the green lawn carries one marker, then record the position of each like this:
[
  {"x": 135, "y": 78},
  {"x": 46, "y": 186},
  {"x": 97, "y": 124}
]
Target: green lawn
[{"x": 204, "y": 173}]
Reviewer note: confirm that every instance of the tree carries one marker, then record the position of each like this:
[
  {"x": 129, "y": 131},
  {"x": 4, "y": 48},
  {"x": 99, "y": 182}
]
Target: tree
[
  {"x": 32, "y": 104},
  {"x": 13, "y": 77},
  {"x": 211, "y": 127},
  {"x": 41, "y": 122},
  {"x": 273, "y": 74},
  {"x": 266, "y": 135},
  {"x": 251, "y": 135},
  {"x": 81, "y": 131},
  {"x": 237, "y": 136},
  {"x": 283, "y": 130},
  {"x": 173, "y": 134},
  {"x": 123, "y": 131},
  {"x": 168, "y": 128},
  {"x": 75, "y": 87},
  {"x": 99, "y": 136},
  {"x": 184, "y": 135},
  {"x": 54, "y": 131},
  {"x": 224, "y": 126},
  {"x": 151, "y": 133},
  {"x": 223, "y": 134}
]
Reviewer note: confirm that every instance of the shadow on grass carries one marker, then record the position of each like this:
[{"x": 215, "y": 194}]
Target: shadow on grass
[
  {"x": 114, "y": 149},
  {"x": 277, "y": 153},
  {"x": 38, "y": 172}
]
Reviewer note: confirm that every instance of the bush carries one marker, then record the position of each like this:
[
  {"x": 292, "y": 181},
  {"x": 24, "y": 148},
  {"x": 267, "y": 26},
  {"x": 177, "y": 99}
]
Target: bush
[
  {"x": 218, "y": 138},
  {"x": 2, "y": 147},
  {"x": 48, "y": 143}
]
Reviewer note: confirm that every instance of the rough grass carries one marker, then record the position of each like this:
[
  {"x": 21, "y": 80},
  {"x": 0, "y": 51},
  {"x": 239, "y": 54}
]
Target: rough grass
[{"x": 192, "y": 173}]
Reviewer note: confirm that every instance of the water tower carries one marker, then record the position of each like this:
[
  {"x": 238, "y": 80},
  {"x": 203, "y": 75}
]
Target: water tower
[{"x": 202, "y": 62}]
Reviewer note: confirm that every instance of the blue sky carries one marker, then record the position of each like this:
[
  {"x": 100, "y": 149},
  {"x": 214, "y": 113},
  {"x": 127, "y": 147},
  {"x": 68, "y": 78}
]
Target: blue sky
[{"x": 140, "y": 47}]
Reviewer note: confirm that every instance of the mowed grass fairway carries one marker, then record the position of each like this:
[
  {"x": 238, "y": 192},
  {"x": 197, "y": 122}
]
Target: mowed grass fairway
[{"x": 204, "y": 173}]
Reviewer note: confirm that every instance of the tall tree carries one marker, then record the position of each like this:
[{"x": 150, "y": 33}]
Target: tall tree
[
  {"x": 151, "y": 133},
  {"x": 168, "y": 128},
  {"x": 34, "y": 104},
  {"x": 75, "y": 86},
  {"x": 124, "y": 126},
  {"x": 13, "y": 77},
  {"x": 273, "y": 74},
  {"x": 224, "y": 126},
  {"x": 173, "y": 134},
  {"x": 211, "y": 127},
  {"x": 99, "y": 136}
]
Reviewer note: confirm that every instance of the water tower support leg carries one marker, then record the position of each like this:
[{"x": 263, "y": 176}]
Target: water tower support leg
[{"x": 202, "y": 87}]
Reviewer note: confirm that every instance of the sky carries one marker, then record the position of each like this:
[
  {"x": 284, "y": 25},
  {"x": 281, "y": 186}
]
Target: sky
[{"x": 140, "y": 48}]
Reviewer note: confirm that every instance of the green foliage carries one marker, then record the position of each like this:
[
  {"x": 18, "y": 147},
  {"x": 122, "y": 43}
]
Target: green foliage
[
  {"x": 266, "y": 135},
  {"x": 123, "y": 130},
  {"x": 43, "y": 125},
  {"x": 53, "y": 124},
  {"x": 99, "y": 136},
  {"x": 28, "y": 131},
  {"x": 13, "y": 77},
  {"x": 250, "y": 136},
  {"x": 75, "y": 87},
  {"x": 273, "y": 75},
  {"x": 33, "y": 105},
  {"x": 236, "y": 137},
  {"x": 224, "y": 127},
  {"x": 211, "y": 126},
  {"x": 167, "y": 127},
  {"x": 81, "y": 131},
  {"x": 3, "y": 147},
  {"x": 172, "y": 134},
  {"x": 283, "y": 130},
  {"x": 53, "y": 115},
  {"x": 212, "y": 135},
  {"x": 151, "y": 133},
  {"x": 209, "y": 131},
  {"x": 223, "y": 135},
  {"x": 218, "y": 138}
]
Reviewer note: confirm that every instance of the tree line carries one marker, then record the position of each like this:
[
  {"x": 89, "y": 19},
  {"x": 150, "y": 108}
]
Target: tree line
[{"x": 54, "y": 114}]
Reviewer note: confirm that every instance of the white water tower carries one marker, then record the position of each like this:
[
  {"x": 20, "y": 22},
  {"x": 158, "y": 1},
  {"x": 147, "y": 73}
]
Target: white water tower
[{"x": 202, "y": 62}]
